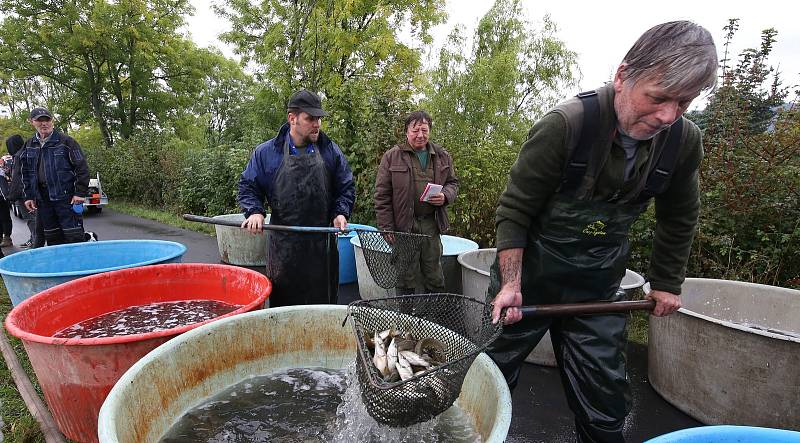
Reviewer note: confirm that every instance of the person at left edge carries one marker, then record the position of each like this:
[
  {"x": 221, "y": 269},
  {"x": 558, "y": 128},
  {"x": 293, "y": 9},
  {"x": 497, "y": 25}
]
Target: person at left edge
[
  {"x": 306, "y": 181},
  {"x": 55, "y": 176}
]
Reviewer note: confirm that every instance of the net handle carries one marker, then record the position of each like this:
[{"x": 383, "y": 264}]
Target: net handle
[
  {"x": 284, "y": 228},
  {"x": 573, "y": 309}
]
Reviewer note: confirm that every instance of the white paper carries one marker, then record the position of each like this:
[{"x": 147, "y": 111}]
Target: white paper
[{"x": 430, "y": 189}]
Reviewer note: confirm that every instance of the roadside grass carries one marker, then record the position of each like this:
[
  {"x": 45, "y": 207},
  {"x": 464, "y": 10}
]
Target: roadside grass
[
  {"x": 19, "y": 425},
  {"x": 160, "y": 215}
]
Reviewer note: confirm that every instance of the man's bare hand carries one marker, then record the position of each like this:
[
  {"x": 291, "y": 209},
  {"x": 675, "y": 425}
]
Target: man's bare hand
[
  {"x": 30, "y": 205},
  {"x": 254, "y": 224},
  {"x": 340, "y": 222},
  {"x": 666, "y": 302},
  {"x": 75, "y": 200},
  {"x": 437, "y": 199},
  {"x": 509, "y": 297}
]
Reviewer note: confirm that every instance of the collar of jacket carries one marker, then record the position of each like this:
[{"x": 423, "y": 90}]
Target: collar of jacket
[
  {"x": 55, "y": 137},
  {"x": 323, "y": 141},
  {"x": 429, "y": 146}
]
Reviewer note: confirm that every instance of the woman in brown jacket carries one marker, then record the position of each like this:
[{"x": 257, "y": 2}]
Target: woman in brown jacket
[{"x": 406, "y": 170}]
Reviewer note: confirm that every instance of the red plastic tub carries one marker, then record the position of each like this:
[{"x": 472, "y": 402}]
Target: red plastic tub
[{"x": 77, "y": 374}]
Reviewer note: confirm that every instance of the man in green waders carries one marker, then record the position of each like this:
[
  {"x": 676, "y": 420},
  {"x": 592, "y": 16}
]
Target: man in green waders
[
  {"x": 589, "y": 168},
  {"x": 306, "y": 181}
]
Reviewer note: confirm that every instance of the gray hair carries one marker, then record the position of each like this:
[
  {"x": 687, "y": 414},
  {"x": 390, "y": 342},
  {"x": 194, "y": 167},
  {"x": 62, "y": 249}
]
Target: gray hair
[{"x": 681, "y": 55}]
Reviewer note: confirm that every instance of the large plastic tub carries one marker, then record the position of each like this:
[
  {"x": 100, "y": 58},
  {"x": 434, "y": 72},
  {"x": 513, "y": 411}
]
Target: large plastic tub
[
  {"x": 475, "y": 275},
  {"x": 77, "y": 374},
  {"x": 29, "y": 272},
  {"x": 729, "y": 434},
  {"x": 180, "y": 374},
  {"x": 452, "y": 247},
  {"x": 347, "y": 258},
  {"x": 729, "y": 355},
  {"x": 239, "y": 247}
]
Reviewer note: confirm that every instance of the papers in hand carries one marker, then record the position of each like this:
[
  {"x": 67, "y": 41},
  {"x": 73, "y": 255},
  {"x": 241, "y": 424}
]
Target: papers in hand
[{"x": 430, "y": 189}]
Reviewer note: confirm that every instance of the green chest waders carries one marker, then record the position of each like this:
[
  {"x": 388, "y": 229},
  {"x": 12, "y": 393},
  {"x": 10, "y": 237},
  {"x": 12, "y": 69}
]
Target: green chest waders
[{"x": 580, "y": 256}]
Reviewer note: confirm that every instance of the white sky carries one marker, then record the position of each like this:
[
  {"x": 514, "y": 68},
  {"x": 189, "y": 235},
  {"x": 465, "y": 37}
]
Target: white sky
[{"x": 601, "y": 47}]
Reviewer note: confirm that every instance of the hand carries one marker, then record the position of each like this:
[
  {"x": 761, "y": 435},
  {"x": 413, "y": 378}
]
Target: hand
[
  {"x": 340, "y": 222},
  {"x": 666, "y": 302},
  {"x": 30, "y": 205},
  {"x": 254, "y": 224},
  {"x": 510, "y": 297},
  {"x": 75, "y": 200},
  {"x": 437, "y": 199}
]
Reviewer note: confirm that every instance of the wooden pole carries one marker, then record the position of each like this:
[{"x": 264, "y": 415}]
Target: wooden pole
[{"x": 35, "y": 405}]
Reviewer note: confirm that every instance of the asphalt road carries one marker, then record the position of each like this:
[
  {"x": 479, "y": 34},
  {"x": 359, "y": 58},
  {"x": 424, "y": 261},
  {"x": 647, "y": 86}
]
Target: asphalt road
[{"x": 540, "y": 411}]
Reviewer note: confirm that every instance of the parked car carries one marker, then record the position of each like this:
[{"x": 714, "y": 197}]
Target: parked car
[{"x": 97, "y": 198}]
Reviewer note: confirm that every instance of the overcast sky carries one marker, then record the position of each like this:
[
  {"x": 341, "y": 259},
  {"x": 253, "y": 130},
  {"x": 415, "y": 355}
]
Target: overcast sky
[{"x": 601, "y": 34}]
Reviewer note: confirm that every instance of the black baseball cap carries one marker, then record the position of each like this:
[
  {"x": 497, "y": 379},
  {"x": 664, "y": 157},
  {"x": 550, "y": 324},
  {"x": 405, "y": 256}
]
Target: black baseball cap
[
  {"x": 307, "y": 101},
  {"x": 40, "y": 112}
]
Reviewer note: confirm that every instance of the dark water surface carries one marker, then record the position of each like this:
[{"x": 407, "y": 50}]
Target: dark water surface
[
  {"x": 304, "y": 405},
  {"x": 147, "y": 318}
]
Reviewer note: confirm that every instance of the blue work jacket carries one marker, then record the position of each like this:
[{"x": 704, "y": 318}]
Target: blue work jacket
[
  {"x": 66, "y": 171},
  {"x": 255, "y": 184}
]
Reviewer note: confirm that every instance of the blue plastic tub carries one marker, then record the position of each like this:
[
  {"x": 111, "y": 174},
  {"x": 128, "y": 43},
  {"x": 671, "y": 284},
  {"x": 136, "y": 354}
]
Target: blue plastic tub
[
  {"x": 347, "y": 258},
  {"x": 729, "y": 434},
  {"x": 29, "y": 272}
]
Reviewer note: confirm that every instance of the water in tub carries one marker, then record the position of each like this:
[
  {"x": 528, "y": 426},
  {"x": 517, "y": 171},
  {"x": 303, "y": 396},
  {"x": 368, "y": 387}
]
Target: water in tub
[
  {"x": 305, "y": 405},
  {"x": 147, "y": 318}
]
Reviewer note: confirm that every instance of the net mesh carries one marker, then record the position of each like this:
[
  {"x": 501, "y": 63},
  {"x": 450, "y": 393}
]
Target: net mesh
[
  {"x": 461, "y": 323},
  {"x": 388, "y": 254}
]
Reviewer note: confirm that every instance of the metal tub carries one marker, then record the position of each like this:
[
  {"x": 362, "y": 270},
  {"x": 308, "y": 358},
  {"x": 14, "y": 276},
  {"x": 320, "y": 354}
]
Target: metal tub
[
  {"x": 729, "y": 355},
  {"x": 239, "y": 247}
]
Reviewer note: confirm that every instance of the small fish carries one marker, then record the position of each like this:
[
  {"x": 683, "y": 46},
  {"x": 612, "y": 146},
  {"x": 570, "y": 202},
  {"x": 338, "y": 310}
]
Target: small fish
[
  {"x": 391, "y": 355},
  {"x": 380, "y": 356},
  {"x": 404, "y": 368},
  {"x": 413, "y": 359}
]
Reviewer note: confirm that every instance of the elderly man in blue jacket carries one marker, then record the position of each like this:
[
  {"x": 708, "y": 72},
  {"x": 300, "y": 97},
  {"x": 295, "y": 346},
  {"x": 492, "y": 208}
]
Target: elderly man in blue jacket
[
  {"x": 55, "y": 180},
  {"x": 306, "y": 181}
]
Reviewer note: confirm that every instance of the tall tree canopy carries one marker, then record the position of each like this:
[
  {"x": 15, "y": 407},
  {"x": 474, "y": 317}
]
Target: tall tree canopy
[{"x": 121, "y": 65}]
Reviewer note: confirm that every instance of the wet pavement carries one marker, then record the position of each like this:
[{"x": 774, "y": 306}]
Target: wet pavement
[{"x": 540, "y": 412}]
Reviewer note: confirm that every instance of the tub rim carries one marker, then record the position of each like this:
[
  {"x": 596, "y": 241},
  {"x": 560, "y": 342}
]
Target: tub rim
[
  {"x": 180, "y": 250},
  {"x": 726, "y": 323},
  {"x": 105, "y": 421},
  {"x": 469, "y": 266},
  {"x": 640, "y": 281},
  {"x": 356, "y": 242},
  {"x": 15, "y": 330}
]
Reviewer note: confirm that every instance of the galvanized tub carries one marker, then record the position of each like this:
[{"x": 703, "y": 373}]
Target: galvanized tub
[
  {"x": 183, "y": 372},
  {"x": 475, "y": 276},
  {"x": 239, "y": 247},
  {"x": 452, "y": 247},
  {"x": 709, "y": 360}
]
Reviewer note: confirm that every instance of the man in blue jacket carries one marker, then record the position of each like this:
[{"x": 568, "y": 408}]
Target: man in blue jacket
[
  {"x": 306, "y": 181},
  {"x": 55, "y": 177}
]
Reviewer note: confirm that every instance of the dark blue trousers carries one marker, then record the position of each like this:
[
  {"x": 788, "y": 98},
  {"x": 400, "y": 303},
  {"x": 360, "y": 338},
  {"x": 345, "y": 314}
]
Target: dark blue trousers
[{"x": 59, "y": 222}]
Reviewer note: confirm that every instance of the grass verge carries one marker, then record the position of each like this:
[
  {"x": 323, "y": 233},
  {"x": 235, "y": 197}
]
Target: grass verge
[
  {"x": 161, "y": 216},
  {"x": 19, "y": 425}
]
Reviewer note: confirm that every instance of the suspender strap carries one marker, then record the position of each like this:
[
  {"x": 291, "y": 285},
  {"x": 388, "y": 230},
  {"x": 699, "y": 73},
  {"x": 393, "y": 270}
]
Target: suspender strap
[
  {"x": 659, "y": 177},
  {"x": 579, "y": 161}
]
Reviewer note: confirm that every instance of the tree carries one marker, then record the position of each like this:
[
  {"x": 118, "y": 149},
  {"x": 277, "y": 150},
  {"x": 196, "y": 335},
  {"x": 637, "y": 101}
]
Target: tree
[
  {"x": 484, "y": 104},
  {"x": 350, "y": 53},
  {"x": 120, "y": 64}
]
